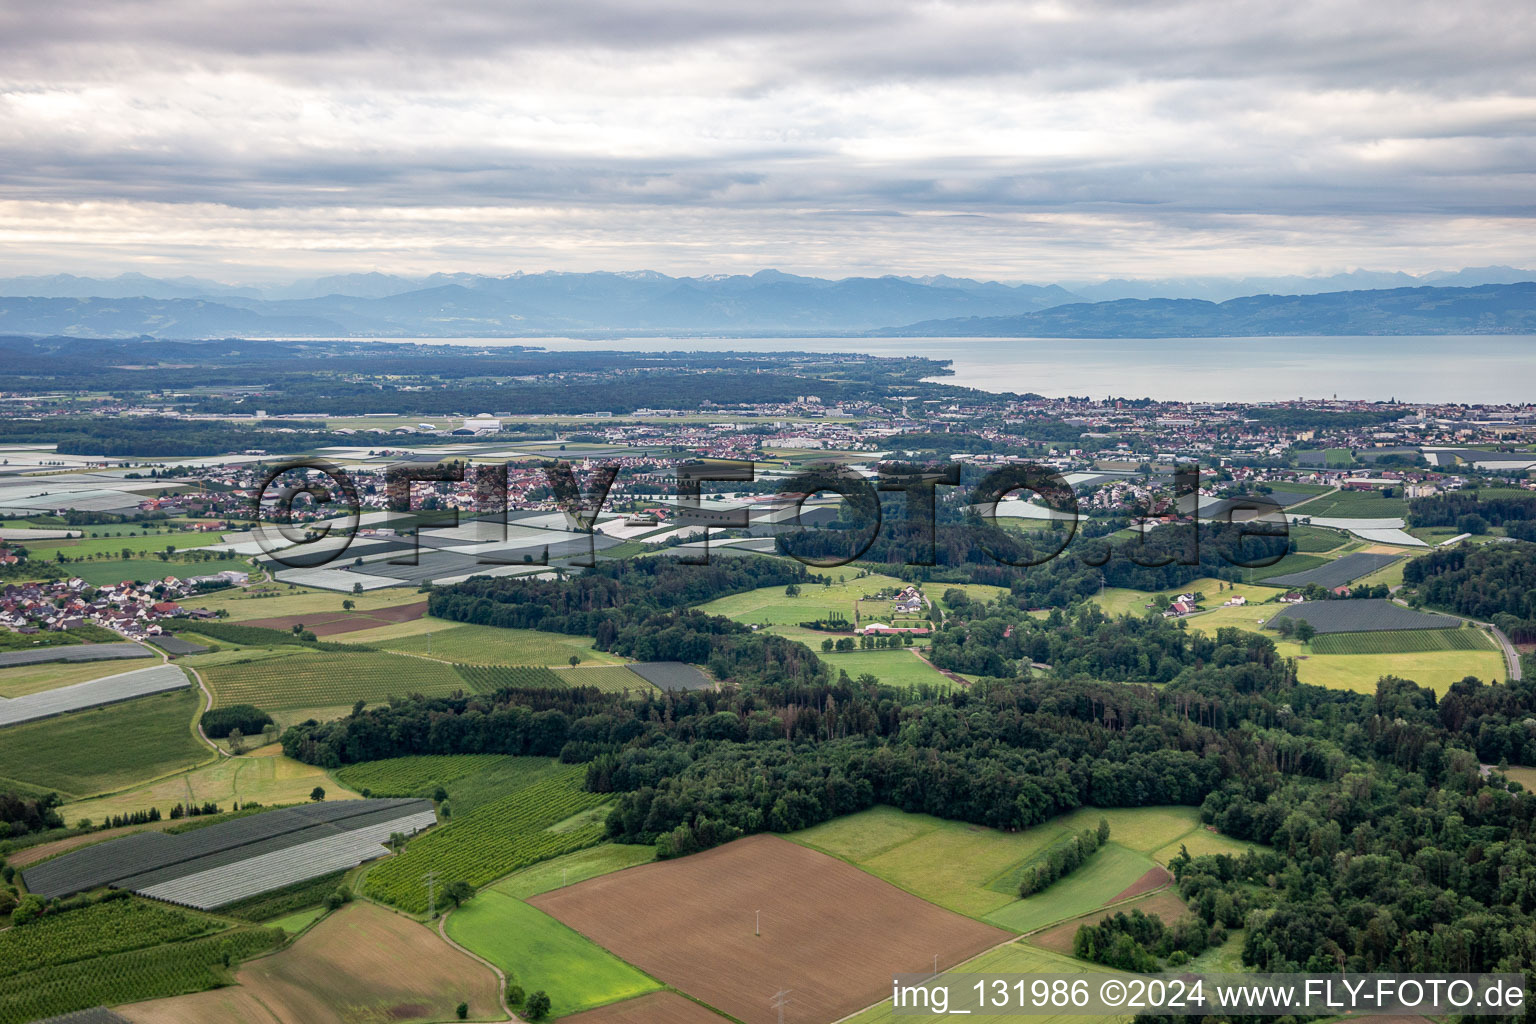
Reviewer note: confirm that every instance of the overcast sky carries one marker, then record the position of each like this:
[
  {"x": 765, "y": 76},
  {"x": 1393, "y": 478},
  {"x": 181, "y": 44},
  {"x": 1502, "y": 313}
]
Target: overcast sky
[{"x": 1027, "y": 141}]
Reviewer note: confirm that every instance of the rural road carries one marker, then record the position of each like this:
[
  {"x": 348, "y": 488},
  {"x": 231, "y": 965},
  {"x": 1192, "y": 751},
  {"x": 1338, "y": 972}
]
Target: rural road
[{"x": 1511, "y": 654}]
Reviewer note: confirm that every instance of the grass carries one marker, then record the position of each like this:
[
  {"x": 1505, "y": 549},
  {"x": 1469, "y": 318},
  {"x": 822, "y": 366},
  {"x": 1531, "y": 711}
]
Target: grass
[
  {"x": 25, "y": 679},
  {"x": 538, "y": 952},
  {"x": 1434, "y": 669},
  {"x": 573, "y": 868},
  {"x": 105, "y": 749},
  {"x": 1352, "y": 505},
  {"x": 1403, "y": 641},
  {"x": 291, "y": 600},
  {"x": 1316, "y": 539},
  {"x": 269, "y": 780},
  {"x": 1117, "y": 601},
  {"x": 469, "y": 779},
  {"x": 491, "y": 645},
  {"x": 768, "y": 606},
  {"x": 325, "y": 678},
  {"x": 298, "y": 921},
  {"x": 1201, "y": 843},
  {"x": 974, "y": 870},
  {"x": 894, "y": 667},
  {"x": 116, "y": 570},
  {"x": 1286, "y": 565},
  {"x": 1012, "y": 959}
]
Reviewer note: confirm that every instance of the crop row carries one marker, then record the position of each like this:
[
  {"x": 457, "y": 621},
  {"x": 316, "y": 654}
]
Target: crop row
[
  {"x": 408, "y": 776},
  {"x": 104, "y": 928},
  {"x": 495, "y": 839},
  {"x": 1401, "y": 641},
  {"x": 490, "y": 678},
  {"x": 165, "y": 970}
]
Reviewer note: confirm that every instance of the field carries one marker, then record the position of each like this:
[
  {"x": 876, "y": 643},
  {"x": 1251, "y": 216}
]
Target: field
[
  {"x": 409, "y": 776},
  {"x": 491, "y": 645},
  {"x": 1336, "y": 573},
  {"x": 573, "y": 868},
  {"x": 24, "y": 679},
  {"x": 326, "y": 678},
  {"x": 768, "y": 606},
  {"x": 274, "y": 600},
  {"x": 1402, "y": 641},
  {"x": 1014, "y": 958},
  {"x": 690, "y": 922},
  {"x": 892, "y": 667},
  {"x": 1352, "y": 505},
  {"x": 1058, "y": 938},
  {"x": 1363, "y": 616},
  {"x": 268, "y": 780},
  {"x": 1435, "y": 669},
  {"x": 360, "y": 964},
  {"x": 608, "y": 678},
  {"x": 331, "y": 623},
  {"x": 1314, "y": 540},
  {"x": 1288, "y": 565},
  {"x": 538, "y": 952},
  {"x": 105, "y": 749},
  {"x": 656, "y": 1008},
  {"x": 99, "y": 574},
  {"x": 493, "y": 840},
  {"x": 134, "y": 974}
]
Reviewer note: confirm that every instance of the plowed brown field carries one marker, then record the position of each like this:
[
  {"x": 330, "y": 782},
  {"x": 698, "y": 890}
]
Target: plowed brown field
[
  {"x": 656, "y": 1008},
  {"x": 830, "y": 933}
]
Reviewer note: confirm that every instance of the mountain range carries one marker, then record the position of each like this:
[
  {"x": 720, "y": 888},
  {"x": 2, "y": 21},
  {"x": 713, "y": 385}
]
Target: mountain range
[{"x": 764, "y": 303}]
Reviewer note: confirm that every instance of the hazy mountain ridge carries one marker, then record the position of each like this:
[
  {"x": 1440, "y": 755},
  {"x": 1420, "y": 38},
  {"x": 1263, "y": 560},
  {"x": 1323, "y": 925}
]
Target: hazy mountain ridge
[
  {"x": 1486, "y": 309},
  {"x": 765, "y": 303}
]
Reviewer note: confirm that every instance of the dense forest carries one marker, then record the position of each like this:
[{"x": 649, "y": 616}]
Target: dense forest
[
  {"x": 1470, "y": 512},
  {"x": 1493, "y": 582}
]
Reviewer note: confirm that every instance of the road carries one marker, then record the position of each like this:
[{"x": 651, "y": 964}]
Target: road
[{"x": 1511, "y": 654}]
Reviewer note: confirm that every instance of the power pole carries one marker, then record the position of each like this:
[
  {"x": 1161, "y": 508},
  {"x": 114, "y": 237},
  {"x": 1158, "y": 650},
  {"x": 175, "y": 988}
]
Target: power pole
[
  {"x": 431, "y": 879},
  {"x": 429, "y": 643},
  {"x": 757, "y": 927},
  {"x": 781, "y": 1000}
]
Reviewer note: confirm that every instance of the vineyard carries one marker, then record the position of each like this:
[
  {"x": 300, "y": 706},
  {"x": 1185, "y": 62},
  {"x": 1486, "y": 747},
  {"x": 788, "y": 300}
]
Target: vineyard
[
  {"x": 1409, "y": 641},
  {"x": 408, "y": 776},
  {"x": 105, "y": 928},
  {"x": 608, "y": 678},
  {"x": 490, "y": 678},
  {"x": 327, "y": 679},
  {"x": 494, "y": 840},
  {"x": 130, "y": 976}
]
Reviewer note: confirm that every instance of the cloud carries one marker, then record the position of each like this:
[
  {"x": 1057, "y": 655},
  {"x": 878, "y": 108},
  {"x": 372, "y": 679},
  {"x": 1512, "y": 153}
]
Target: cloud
[{"x": 1145, "y": 138}]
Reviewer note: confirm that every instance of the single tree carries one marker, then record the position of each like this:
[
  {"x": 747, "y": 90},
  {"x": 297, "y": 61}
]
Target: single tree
[
  {"x": 348, "y": 604},
  {"x": 317, "y": 794},
  {"x": 537, "y": 1005},
  {"x": 462, "y": 1011},
  {"x": 574, "y": 660}
]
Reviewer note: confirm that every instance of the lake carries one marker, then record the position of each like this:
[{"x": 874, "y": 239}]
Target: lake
[{"x": 1476, "y": 369}]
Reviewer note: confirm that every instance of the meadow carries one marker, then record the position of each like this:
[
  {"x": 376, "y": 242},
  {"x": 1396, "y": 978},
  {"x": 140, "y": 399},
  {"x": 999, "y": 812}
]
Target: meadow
[
  {"x": 492, "y": 645},
  {"x": 975, "y": 871},
  {"x": 538, "y": 952},
  {"x": 270, "y": 600},
  {"x": 269, "y": 779},
  {"x": 116, "y": 570},
  {"x": 573, "y": 868},
  {"x": 1352, "y": 505},
  {"x": 1434, "y": 669},
  {"x": 769, "y": 606},
  {"x": 327, "y": 678},
  {"x": 105, "y": 749},
  {"x": 893, "y": 666},
  {"x": 24, "y": 679},
  {"x": 1118, "y": 601}
]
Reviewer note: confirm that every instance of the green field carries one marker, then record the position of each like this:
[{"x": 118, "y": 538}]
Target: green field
[
  {"x": 1434, "y": 669},
  {"x": 573, "y": 868},
  {"x": 495, "y": 839},
  {"x": 272, "y": 600},
  {"x": 24, "y": 679},
  {"x": 975, "y": 870},
  {"x": 1118, "y": 601},
  {"x": 328, "y": 678},
  {"x": 608, "y": 678},
  {"x": 410, "y": 776},
  {"x": 105, "y": 749},
  {"x": 1014, "y": 958},
  {"x": 893, "y": 666},
  {"x": 1288, "y": 564},
  {"x": 116, "y": 570},
  {"x": 768, "y": 606},
  {"x": 1352, "y": 505},
  {"x": 491, "y": 645},
  {"x": 1403, "y": 641},
  {"x": 267, "y": 779},
  {"x": 1316, "y": 539},
  {"x": 538, "y": 952}
]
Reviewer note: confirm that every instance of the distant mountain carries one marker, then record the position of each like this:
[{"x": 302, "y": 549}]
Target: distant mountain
[
  {"x": 1487, "y": 309},
  {"x": 1220, "y": 289},
  {"x": 466, "y": 305},
  {"x": 124, "y": 286}
]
